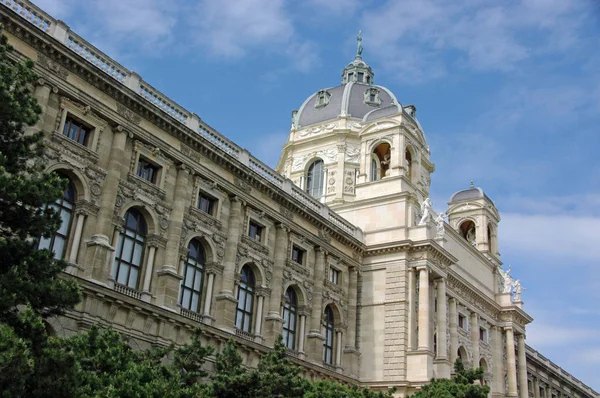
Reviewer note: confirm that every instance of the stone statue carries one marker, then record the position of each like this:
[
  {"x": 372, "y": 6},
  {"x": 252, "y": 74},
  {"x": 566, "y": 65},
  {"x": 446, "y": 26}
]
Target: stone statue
[
  {"x": 506, "y": 282},
  {"x": 439, "y": 222},
  {"x": 471, "y": 236},
  {"x": 518, "y": 289},
  {"x": 359, "y": 47},
  {"x": 425, "y": 211}
]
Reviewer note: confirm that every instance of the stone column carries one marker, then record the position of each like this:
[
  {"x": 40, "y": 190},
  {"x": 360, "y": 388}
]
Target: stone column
[
  {"x": 424, "y": 328},
  {"x": 146, "y": 295},
  {"x": 208, "y": 297},
  {"x": 511, "y": 362},
  {"x": 498, "y": 367},
  {"x": 42, "y": 95},
  {"x": 411, "y": 309},
  {"x": 523, "y": 393},
  {"x": 226, "y": 302},
  {"x": 442, "y": 349},
  {"x": 77, "y": 237},
  {"x": 453, "y": 322},
  {"x": 536, "y": 388},
  {"x": 475, "y": 339},
  {"x": 302, "y": 330},
  {"x": 171, "y": 261},
  {"x": 99, "y": 252},
  {"x": 168, "y": 282},
  {"x": 259, "y": 312},
  {"x": 273, "y": 320},
  {"x": 339, "y": 341},
  {"x": 352, "y": 300},
  {"x": 315, "y": 338}
]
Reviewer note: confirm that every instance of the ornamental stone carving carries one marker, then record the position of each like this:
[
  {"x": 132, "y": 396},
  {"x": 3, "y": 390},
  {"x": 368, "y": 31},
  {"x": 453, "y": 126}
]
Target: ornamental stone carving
[
  {"x": 128, "y": 114},
  {"x": 52, "y": 66}
]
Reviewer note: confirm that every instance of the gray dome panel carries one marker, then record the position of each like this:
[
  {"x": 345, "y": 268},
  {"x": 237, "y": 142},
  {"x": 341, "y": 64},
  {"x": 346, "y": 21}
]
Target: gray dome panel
[
  {"x": 308, "y": 114},
  {"x": 382, "y": 112}
]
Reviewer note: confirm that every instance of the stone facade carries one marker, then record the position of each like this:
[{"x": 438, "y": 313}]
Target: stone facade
[{"x": 173, "y": 226}]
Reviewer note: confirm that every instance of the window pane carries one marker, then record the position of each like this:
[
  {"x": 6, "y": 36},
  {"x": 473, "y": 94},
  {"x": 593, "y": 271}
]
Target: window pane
[
  {"x": 195, "y": 299},
  {"x": 238, "y": 319},
  {"x": 133, "y": 278},
  {"x": 186, "y": 298},
  {"x": 127, "y": 249},
  {"x": 44, "y": 243},
  {"x": 292, "y": 322},
  {"x": 247, "y": 323},
  {"x": 249, "y": 303},
  {"x": 137, "y": 254},
  {"x": 189, "y": 276},
  {"x": 123, "y": 271},
  {"x": 58, "y": 247},
  {"x": 65, "y": 216},
  {"x": 241, "y": 298},
  {"x": 198, "y": 280}
]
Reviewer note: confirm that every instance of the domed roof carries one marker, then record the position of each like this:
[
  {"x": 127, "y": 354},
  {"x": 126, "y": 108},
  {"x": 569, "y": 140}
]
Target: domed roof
[
  {"x": 357, "y": 97},
  {"x": 356, "y": 100},
  {"x": 469, "y": 194}
]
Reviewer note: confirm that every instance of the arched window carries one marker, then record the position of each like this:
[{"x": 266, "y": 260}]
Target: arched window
[
  {"x": 380, "y": 161},
  {"x": 290, "y": 309},
  {"x": 408, "y": 164},
  {"x": 315, "y": 179},
  {"x": 57, "y": 243},
  {"x": 130, "y": 249},
  {"x": 328, "y": 330},
  {"x": 245, "y": 297},
  {"x": 193, "y": 275}
]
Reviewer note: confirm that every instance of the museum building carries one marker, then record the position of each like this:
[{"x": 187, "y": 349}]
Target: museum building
[{"x": 168, "y": 226}]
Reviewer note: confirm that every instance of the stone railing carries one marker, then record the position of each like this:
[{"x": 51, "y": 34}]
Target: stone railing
[
  {"x": 531, "y": 353},
  {"x": 191, "y": 315},
  {"x": 127, "y": 291},
  {"x": 244, "y": 335},
  {"x": 131, "y": 80}
]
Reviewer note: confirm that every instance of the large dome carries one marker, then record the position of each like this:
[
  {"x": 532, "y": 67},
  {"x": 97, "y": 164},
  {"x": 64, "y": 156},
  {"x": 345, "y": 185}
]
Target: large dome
[{"x": 357, "y": 97}]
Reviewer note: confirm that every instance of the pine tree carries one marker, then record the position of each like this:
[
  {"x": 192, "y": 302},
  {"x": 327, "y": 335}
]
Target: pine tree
[
  {"x": 462, "y": 385},
  {"x": 30, "y": 286}
]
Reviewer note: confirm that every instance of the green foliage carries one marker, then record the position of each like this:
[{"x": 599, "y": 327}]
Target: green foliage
[
  {"x": 462, "y": 385},
  {"x": 331, "y": 389},
  {"x": 30, "y": 286}
]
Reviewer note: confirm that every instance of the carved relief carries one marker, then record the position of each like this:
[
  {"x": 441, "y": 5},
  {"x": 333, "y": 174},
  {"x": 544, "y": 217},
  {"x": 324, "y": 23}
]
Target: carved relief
[
  {"x": 349, "y": 181},
  {"x": 243, "y": 185},
  {"x": 128, "y": 114},
  {"x": 52, "y": 66},
  {"x": 316, "y": 130},
  {"x": 331, "y": 182}
]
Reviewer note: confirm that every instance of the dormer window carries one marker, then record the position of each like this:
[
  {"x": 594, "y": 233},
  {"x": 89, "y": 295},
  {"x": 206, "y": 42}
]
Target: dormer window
[
  {"x": 372, "y": 96},
  {"x": 361, "y": 77},
  {"x": 350, "y": 77},
  {"x": 322, "y": 99},
  {"x": 368, "y": 79}
]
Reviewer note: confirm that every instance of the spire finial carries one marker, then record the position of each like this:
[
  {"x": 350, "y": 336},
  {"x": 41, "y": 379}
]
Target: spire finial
[
  {"x": 472, "y": 185},
  {"x": 359, "y": 47}
]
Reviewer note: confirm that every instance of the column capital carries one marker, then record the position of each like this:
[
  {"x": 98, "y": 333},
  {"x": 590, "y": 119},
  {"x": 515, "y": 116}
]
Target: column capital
[
  {"x": 214, "y": 268},
  {"x": 440, "y": 280},
  {"x": 422, "y": 268},
  {"x": 262, "y": 291}
]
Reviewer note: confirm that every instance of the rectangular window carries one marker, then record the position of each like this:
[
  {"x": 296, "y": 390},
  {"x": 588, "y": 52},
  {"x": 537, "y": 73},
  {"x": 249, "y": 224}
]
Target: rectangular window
[
  {"x": 360, "y": 76},
  {"x": 147, "y": 171},
  {"x": 207, "y": 203},
  {"x": 255, "y": 231},
  {"x": 298, "y": 255},
  {"x": 483, "y": 335},
  {"x": 334, "y": 276},
  {"x": 462, "y": 321},
  {"x": 372, "y": 97},
  {"x": 76, "y": 130}
]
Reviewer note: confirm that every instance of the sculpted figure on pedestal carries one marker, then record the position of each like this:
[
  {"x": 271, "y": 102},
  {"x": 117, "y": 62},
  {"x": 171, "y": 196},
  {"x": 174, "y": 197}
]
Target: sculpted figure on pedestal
[
  {"x": 518, "y": 289},
  {"x": 506, "y": 282},
  {"x": 425, "y": 211},
  {"x": 439, "y": 221}
]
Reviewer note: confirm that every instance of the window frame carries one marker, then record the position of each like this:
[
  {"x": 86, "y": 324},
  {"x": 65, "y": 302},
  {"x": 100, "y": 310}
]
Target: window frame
[
  {"x": 143, "y": 163},
  {"x": 153, "y": 156},
  {"x": 290, "y": 311},
  {"x": 59, "y": 208},
  {"x": 320, "y": 181},
  {"x": 213, "y": 203},
  {"x": 462, "y": 321},
  {"x": 334, "y": 276},
  {"x": 119, "y": 261},
  {"x": 70, "y": 121},
  {"x": 198, "y": 265},
  {"x": 328, "y": 326},
  {"x": 84, "y": 115},
  {"x": 260, "y": 230},
  {"x": 248, "y": 289},
  {"x": 301, "y": 251}
]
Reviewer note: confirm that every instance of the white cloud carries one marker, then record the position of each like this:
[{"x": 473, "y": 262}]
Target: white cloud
[
  {"x": 569, "y": 238},
  {"x": 478, "y": 35},
  {"x": 234, "y": 28}
]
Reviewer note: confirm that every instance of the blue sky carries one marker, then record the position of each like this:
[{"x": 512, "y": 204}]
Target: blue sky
[{"x": 508, "y": 93}]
